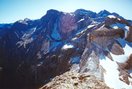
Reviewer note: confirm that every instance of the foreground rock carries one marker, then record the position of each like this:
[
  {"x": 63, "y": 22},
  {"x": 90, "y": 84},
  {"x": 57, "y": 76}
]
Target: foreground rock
[{"x": 73, "y": 80}]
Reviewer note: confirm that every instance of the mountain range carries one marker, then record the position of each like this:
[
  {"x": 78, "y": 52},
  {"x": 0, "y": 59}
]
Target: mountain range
[{"x": 33, "y": 52}]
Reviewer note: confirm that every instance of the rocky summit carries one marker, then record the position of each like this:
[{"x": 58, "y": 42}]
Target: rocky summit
[{"x": 77, "y": 50}]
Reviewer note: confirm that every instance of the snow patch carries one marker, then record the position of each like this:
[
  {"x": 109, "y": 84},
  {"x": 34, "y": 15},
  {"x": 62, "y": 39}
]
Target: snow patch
[
  {"x": 90, "y": 26},
  {"x": 111, "y": 16},
  {"x": 67, "y": 46},
  {"x": 128, "y": 50},
  {"x": 127, "y": 28},
  {"x": 115, "y": 27},
  {"x": 111, "y": 75},
  {"x": 119, "y": 58},
  {"x": 119, "y": 19},
  {"x": 72, "y": 14},
  {"x": 126, "y": 31},
  {"x": 74, "y": 38},
  {"x": 23, "y": 22},
  {"x": 81, "y": 20}
]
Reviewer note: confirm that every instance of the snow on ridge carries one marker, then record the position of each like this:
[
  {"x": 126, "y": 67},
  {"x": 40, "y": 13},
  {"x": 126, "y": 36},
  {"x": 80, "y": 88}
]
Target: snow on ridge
[
  {"x": 71, "y": 13},
  {"x": 111, "y": 16},
  {"x": 81, "y": 20},
  {"x": 23, "y": 22},
  {"x": 67, "y": 46},
  {"x": 74, "y": 38},
  {"x": 90, "y": 26}
]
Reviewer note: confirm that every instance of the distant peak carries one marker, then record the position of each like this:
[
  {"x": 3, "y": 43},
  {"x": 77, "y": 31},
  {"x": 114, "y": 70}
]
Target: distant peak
[
  {"x": 104, "y": 13},
  {"x": 52, "y": 11},
  {"x": 27, "y": 19},
  {"x": 83, "y": 10}
]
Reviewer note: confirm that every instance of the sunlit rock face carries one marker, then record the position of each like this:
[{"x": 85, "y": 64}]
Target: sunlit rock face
[
  {"x": 67, "y": 23},
  {"x": 75, "y": 80},
  {"x": 32, "y": 52},
  {"x": 104, "y": 46}
]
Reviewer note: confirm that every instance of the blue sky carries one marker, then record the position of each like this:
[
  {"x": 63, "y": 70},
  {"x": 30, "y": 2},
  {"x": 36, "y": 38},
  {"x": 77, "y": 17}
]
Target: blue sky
[{"x": 13, "y": 10}]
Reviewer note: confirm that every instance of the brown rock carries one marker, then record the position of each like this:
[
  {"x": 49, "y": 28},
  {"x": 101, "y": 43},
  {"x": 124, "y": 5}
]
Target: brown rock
[
  {"x": 117, "y": 49},
  {"x": 73, "y": 80},
  {"x": 129, "y": 36},
  {"x": 129, "y": 63},
  {"x": 123, "y": 69}
]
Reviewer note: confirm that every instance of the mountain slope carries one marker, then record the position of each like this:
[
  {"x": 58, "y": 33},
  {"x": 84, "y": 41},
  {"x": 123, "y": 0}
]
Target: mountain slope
[{"x": 34, "y": 51}]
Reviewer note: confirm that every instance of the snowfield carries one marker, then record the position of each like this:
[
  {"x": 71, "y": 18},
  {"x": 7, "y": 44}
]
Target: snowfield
[{"x": 111, "y": 76}]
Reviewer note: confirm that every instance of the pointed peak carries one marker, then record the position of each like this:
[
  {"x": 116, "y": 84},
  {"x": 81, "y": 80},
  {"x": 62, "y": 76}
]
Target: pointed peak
[{"x": 103, "y": 13}]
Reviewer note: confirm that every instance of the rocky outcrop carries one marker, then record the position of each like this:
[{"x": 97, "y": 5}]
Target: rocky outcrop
[
  {"x": 124, "y": 70},
  {"x": 129, "y": 36},
  {"x": 73, "y": 80},
  {"x": 102, "y": 45}
]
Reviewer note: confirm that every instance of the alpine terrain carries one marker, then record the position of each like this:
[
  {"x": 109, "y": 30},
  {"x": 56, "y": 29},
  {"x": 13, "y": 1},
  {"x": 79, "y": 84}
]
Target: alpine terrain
[{"x": 77, "y": 50}]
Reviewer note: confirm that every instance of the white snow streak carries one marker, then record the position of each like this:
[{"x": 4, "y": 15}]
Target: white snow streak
[
  {"x": 80, "y": 20},
  {"x": 67, "y": 46},
  {"x": 90, "y": 26},
  {"x": 111, "y": 16}
]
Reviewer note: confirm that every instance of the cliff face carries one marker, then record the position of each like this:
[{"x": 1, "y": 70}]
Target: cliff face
[{"x": 34, "y": 51}]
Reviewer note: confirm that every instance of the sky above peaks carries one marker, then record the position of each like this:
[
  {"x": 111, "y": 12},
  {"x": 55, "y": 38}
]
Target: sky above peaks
[{"x": 13, "y": 10}]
